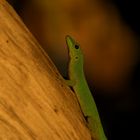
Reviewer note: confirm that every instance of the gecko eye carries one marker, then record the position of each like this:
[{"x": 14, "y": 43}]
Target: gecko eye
[{"x": 76, "y": 47}]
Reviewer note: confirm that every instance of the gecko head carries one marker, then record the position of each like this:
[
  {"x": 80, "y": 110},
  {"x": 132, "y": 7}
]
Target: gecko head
[{"x": 74, "y": 49}]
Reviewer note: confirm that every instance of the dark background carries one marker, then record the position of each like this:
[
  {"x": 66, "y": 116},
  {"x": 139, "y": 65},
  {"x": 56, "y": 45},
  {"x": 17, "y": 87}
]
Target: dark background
[
  {"x": 129, "y": 11},
  {"x": 126, "y": 126}
]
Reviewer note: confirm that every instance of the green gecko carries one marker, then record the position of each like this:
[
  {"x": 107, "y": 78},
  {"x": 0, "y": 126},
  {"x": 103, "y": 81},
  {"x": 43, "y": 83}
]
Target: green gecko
[{"x": 78, "y": 83}]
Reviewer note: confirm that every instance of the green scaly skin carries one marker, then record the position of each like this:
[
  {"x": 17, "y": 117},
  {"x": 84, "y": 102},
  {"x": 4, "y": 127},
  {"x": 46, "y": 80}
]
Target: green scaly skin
[{"x": 78, "y": 82}]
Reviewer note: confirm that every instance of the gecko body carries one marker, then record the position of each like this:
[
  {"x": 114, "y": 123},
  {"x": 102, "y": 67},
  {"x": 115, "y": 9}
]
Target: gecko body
[{"x": 78, "y": 82}]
